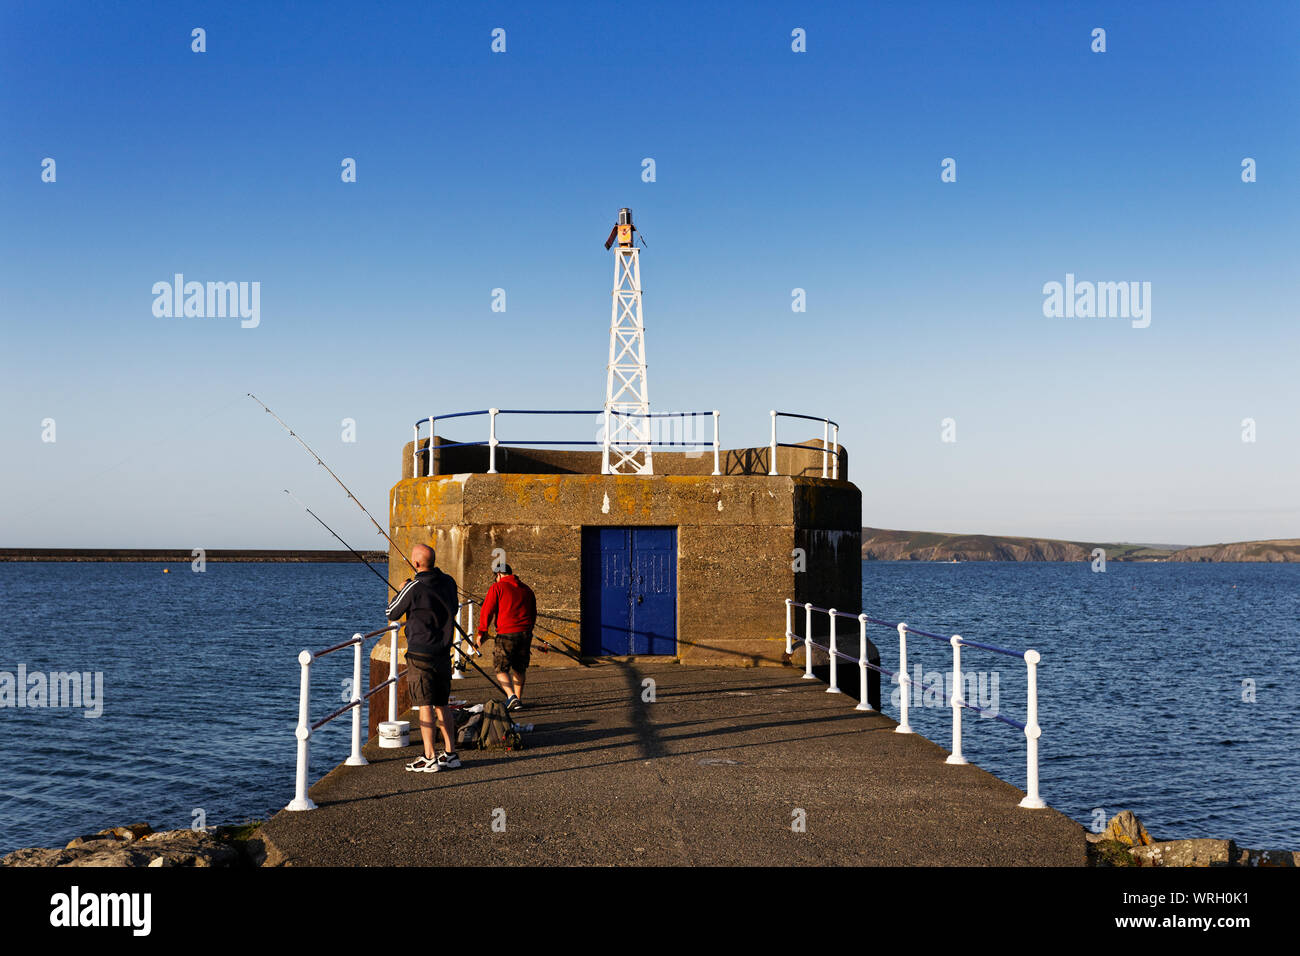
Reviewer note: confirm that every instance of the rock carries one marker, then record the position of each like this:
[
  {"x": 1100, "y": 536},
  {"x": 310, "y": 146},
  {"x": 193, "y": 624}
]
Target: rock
[
  {"x": 36, "y": 856},
  {"x": 1185, "y": 853},
  {"x": 1125, "y": 828},
  {"x": 132, "y": 831},
  {"x": 1270, "y": 858},
  {"x": 135, "y": 845}
]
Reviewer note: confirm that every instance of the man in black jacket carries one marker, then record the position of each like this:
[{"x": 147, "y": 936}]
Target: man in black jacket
[{"x": 429, "y": 602}]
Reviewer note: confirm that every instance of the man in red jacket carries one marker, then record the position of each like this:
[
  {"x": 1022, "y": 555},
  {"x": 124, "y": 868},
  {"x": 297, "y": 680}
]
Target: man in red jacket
[{"x": 514, "y": 606}]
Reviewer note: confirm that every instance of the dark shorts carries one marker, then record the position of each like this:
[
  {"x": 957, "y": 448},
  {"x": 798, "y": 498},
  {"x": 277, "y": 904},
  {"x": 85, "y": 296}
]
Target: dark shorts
[
  {"x": 429, "y": 680},
  {"x": 512, "y": 652}
]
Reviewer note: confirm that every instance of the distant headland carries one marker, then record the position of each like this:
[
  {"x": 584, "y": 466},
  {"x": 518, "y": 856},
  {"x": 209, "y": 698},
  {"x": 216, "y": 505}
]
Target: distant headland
[
  {"x": 880, "y": 544},
  {"x": 176, "y": 556}
]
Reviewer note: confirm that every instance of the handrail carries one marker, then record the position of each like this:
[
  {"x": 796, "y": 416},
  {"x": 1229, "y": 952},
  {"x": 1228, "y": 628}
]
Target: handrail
[
  {"x": 305, "y": 728},
  {"x": 492, "y": 441},
  {"x": 1031, "y": 657},
  {"x": 830, "y": 437},
  {"x": 830, "y": 442}
]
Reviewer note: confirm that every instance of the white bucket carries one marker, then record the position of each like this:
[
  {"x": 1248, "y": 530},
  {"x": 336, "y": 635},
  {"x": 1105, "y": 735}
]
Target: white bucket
[{"x": 394, "y": 734}]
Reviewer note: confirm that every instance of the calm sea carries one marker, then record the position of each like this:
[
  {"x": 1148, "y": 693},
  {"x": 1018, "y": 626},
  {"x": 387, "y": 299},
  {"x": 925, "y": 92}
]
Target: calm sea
[{"x": 1171, "y": 690}]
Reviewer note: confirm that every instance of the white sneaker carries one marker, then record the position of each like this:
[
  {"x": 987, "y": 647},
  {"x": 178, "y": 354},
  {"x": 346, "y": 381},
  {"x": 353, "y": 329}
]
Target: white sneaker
[{"x": 445, "y": 761}]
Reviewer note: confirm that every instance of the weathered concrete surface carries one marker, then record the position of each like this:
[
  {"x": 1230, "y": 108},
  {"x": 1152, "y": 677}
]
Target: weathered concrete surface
[
  {"x": 743, "y": 543},
  {"x": 708, "y": 774}
]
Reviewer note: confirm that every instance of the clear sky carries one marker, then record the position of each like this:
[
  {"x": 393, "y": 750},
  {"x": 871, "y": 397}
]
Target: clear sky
[{"x": 774, "y": 170}]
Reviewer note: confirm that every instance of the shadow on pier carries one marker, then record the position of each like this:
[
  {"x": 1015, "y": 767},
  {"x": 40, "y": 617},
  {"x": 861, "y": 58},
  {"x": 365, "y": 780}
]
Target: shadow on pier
[{"x": 712, "y": 772}]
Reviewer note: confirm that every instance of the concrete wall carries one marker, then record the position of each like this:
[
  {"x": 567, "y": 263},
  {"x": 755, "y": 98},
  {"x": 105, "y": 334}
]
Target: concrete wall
[{"x": 737, "y": 536}]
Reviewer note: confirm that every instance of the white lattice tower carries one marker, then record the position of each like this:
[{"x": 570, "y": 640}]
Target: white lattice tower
[{"x": 626, "y": 389}]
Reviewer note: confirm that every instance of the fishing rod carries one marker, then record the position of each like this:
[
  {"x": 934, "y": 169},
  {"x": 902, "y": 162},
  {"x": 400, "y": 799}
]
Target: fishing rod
[
  {"x": 541, "y": 640},
  {"x": 306, "y": 448},
  {"x": 373, "y": 569},
  {"x": 473, "y": 650},
  {"x": 357, "y": 500}
]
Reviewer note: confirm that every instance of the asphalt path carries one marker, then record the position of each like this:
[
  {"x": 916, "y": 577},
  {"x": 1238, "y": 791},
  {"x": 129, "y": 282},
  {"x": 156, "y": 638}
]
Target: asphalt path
[{"x": 725, "y": 766}]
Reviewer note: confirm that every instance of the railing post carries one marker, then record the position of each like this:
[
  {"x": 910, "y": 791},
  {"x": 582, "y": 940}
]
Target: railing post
[
  {"x": 863, "y": 702},
  {"x": 717, "y": 448},
  {"x": 492, "y": 440},
  {"x": 415, "y": 453},
  {"x": 604, "y": 462},
  {"x": 826, "y": 444},
  {"x": 835, "y": 452},
  {"x": 456, "y": 655},
  {"x": 807, "y": 642},
  {"x": 772, "y": 453},
  {"x": 355, "y": 759},
  {"x": 834, "y": 687},
  {"x": 300, "y": 800},
  {"x": 955, "y": 757},
  {"x": 789, "y": 627},
  {"x": 433, "y": 467},
  {"x": 904, "y": 682},
  {"x": 392, "y": 676},
  {"x": 1032, "y": 800}
]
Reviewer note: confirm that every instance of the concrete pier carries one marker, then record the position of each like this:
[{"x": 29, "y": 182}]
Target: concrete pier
[{"x": 712, "y": 772}]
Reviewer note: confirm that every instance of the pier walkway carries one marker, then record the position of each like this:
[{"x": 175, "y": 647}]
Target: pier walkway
[{"x": 710, "y": 773}]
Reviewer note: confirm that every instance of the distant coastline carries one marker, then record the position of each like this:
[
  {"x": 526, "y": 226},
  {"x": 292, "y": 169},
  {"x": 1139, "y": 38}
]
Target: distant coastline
[
  {"x": 175, "y": 556},
  {"x": 882, "y": 544}
]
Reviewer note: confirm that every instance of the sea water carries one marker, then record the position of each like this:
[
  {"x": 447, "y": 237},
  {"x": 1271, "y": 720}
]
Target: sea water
[{"x": 1172, "y": 690}]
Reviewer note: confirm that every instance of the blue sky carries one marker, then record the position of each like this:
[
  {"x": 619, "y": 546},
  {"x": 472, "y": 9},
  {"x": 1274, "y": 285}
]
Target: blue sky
[{"x": 775, "y": 170}]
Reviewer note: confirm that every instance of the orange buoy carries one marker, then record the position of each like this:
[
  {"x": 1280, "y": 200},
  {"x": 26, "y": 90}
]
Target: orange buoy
[{"x": 165, "y": 571}]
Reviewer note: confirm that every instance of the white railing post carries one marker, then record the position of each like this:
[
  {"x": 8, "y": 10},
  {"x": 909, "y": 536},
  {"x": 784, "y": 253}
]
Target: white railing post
[
  {"x": 492, "y": 440},
  {"x": 807, "y": 642},
  {"x": 834, "y": 687},
  {"x": 835, "y": 452},
  {"x": 863, "y": 702},
  {"x": 717, "y": 448},
  {"x": 789, "y": 627},
  {"x": 392, "y": 676},
  {"x": 471, "y": 631},
  {"x": 300, "y": 800},
  {"x": 604, "y": 462},
  {"x": 433, "y": 471},
  {"x": 456, "y": 652},
  {"x": 772, "y": 452},
  {"x": 826, "y": 444},
  {"x": 904, "y": 682},
  {"x": 955, "y": 757},
  {"x": 415, "y": 453},
  {"x": 1032, "y": 800},
  {"x": 355, "y": 759}
]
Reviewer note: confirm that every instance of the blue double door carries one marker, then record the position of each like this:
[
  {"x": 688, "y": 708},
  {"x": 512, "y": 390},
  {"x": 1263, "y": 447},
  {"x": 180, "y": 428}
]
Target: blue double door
[{"x": 629, "y": 591}]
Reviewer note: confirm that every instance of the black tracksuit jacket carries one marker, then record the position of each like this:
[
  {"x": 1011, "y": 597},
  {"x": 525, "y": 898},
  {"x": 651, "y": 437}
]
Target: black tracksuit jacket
[{"x": 429, "y": 630}]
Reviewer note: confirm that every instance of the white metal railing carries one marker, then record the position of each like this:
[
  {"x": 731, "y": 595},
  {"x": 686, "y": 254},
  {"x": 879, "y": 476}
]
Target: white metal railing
[
  {"x": 830, "y": 443},
  {"x": 492, "y": 441},
  {"x": 1031, "y": 657},
  {"x": 466, "y": 605},
  {"x": 830, "y": 437},
  {"x": 305, "y": 728}
]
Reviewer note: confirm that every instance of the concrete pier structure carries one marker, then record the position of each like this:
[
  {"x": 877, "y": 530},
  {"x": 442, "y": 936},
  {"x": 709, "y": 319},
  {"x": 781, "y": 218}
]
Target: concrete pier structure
[{"x": 683, "y": 565}]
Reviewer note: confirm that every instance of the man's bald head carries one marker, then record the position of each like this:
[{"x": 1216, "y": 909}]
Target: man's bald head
[{"x": 422, "y": 557}]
